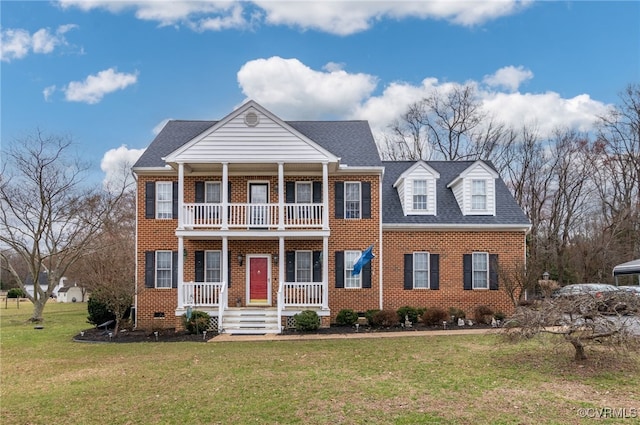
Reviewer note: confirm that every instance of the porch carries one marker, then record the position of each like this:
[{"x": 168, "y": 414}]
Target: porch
[
  {"x": 255, "y": 216},
  {"x": 213, "y": 297}
]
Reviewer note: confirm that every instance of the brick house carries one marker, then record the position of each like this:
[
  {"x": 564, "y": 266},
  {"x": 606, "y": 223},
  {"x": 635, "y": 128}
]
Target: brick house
[{"x": 254, "y": 219}]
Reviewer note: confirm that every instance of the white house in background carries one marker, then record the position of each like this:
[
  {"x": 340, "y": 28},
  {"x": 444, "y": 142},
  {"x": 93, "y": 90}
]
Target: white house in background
[
  {"x": 72, "y": 293},
  {"x": 43, "y": 282}
]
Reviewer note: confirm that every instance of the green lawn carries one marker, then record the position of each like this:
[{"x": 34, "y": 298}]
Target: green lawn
[{"x": 49, "y": 379}]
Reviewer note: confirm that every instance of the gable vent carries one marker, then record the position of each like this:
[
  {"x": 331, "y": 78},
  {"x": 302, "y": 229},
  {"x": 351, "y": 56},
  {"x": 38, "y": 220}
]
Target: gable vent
[{"x": 251, "y": 119}]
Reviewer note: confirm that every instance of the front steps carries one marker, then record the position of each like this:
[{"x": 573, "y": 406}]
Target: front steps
[{"x": 250, "y": 321}]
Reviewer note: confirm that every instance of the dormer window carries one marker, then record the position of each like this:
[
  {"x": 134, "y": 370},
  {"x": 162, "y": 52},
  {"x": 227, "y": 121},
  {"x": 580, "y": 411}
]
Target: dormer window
[
  {"x": 420, "y": 195},
  {"x": 479, "y": 195}
]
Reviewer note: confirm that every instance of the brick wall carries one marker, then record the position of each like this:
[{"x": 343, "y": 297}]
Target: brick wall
[{"x": 450, "y": 245}]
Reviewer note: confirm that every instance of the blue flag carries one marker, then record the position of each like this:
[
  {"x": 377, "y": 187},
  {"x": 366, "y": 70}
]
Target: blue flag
[{"x": 366, "y": 256}]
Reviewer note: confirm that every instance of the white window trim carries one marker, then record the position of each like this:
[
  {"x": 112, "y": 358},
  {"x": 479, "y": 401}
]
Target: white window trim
[
  {"x": 485, "y": 194},
  {"x": 473, "y": 271},
  {"x": 219, "y": 183},
  {"x": 347, "y": 270},
  {"x": 428, "y": 270},
  {"x": 310, "y": 266},
  {"x": 310, "y": 184},
  {"x": 155, "y": 272},
  {"x": 170, "y": 201},
  {"x": 206, "y": 267},
  {"x": 359, "y": 201},
  {"x": 426, "y": 195}
]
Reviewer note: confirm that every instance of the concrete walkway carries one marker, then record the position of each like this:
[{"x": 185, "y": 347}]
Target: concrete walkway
[{"x": 351, "y": 335}]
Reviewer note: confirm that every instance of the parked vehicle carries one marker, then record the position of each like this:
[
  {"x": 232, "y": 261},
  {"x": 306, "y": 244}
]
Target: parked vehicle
[
  {"x": 633, "y": 289},
  {"x": 588, "y": 297}
]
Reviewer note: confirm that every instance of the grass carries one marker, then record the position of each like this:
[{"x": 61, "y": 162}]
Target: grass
[{"x": 49, "y": 379}]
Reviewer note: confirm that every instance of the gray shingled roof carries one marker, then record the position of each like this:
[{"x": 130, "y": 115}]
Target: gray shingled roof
[
  {"x": 508, "y": 212},
  {"x": 352, "y": 141}
]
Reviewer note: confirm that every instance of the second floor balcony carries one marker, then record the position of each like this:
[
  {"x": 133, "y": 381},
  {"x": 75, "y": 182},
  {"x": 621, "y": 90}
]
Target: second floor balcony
[{"x": 253, "y": 216}]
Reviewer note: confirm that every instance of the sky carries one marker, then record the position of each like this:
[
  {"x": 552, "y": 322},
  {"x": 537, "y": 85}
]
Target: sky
[{"x": 109, "y": 74}]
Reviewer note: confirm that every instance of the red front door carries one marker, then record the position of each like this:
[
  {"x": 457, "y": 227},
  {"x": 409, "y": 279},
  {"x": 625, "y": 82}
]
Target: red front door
[{"x": 258, "y": 280}]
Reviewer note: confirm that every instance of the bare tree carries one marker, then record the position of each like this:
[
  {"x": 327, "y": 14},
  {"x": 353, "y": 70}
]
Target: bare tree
[
  {"x": 448, "y": 124},
  {"x": 108, "y": 268},
  {"x": 48, "y": 217},
  {"x": 582, "y": 320}
]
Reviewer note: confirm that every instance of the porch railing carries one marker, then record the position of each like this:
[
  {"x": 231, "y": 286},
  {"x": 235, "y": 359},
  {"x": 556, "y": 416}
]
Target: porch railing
[
  {"x": 222, "y": 305},
  {"x": 199, "y": 215},
  {"x": 302, "y": 294},
  {"x": 202, "y": 294}
]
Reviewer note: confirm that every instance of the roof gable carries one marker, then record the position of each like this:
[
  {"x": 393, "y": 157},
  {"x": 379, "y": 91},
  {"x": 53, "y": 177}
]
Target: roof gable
[{"x": 250, "y": 134}]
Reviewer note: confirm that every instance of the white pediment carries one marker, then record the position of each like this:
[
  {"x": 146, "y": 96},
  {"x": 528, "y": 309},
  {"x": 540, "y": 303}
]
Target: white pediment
[{"x": 251, "y": 134}]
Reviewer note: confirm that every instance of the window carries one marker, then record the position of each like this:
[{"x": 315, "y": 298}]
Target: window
[
  {"x": 479, "y": 195},
  {"x": 304, "y": 271},
  {"x": 303, "y": 193},
  {"x": 212, "y": 194},
  {"x": 421, "y": 270},
  {"x": 350, "y": 258},
  {"x": 164, "y": 200},
  {"x": 419, "y": 194},
  {"x": 212, "y": 266},
  {"x": 352, "y": 200},
  {"x": 164, "y": 269},
  {"x": 480, "y": 264}
]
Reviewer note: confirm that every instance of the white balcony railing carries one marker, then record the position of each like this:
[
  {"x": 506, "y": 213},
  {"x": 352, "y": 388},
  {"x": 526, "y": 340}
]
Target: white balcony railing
[{"x": 199, "y": 215}]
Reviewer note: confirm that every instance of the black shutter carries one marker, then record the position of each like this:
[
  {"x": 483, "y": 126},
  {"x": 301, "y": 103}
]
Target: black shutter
[
  {"x": 199, "y": 192},
  {"x": 149, "y": 269},
  {"x": 291, "y": 266},
  {"x": 150, "y": 200},
  {"x": 493, "y": 272},
  {"x": 434, "y": 272},
  {"x": 366, "y": 275},
  {"x": 175, "y": 199},
  {"x": 339, "y": 201},
  {"x": 317, "y": 192},
  {"x": 174, "y": 269},
  {"x": 199, "y": 266},
  {"x": 408, "y": 271},
  {"x": 339, "y": 269},
  {"x": 366, "y": 199},
  {"x": 229, "y": 200},
  {"x": 228, "y": 269},
  {"x": 467, "y": 270},
  {"x": 317, "y": 266},
  {"x": 290, "y": 195}
]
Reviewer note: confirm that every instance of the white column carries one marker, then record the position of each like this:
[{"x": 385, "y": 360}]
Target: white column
[
  {"x": 225, "y": 260},
  {"x": 325, "y": 196},
  {"x": 225, "y": 196},
  {"x": 180, "y": 272},
  {"x": 282, "y": 261},
  {"x": 281, "y": 196},
  {"x": 180, "y": 196},
  {"x": 325, "y": 272}
]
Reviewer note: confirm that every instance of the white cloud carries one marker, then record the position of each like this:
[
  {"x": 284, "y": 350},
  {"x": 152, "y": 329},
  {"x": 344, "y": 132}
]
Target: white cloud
[
  {"x": 342, "y": 17},
  {"x": 17, "y": 43},
  {"x": 508, "y": 77},
  {"x": 48, "y": 92},
  {"x": 94, "y": 87},
  {"x": 116, "y": 164},
  {"x": 294, "y": 90}
]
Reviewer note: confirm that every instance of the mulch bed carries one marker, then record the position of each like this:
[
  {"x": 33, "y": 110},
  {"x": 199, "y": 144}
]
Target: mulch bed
[{"x": 171, "y": 335}]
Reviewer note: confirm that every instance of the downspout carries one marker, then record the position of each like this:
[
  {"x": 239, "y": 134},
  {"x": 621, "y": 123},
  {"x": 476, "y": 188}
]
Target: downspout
[
  {"x": 135, "y": 294},
  {"x": 380, "y": 253}
]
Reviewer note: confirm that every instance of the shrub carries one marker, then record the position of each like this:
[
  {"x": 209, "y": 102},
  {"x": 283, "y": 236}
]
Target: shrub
[
  {"x": 435, "y": 316},
  {"x": 98, "y": 312},
  {"x": 498, "y": 315},
  {"x": 483, "y": 314},
  {"x": 347, "y": 317},
  {"x": 457, "y": 313},
  {"x": 385, "y": 318},
  {"x": 307, "y": 320},
  {"x": 369, "y": 315},
  {"x": 16, "y": 293},
  {"x": 198, "y": 322},
  {"x": 410, "y": 312}
]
